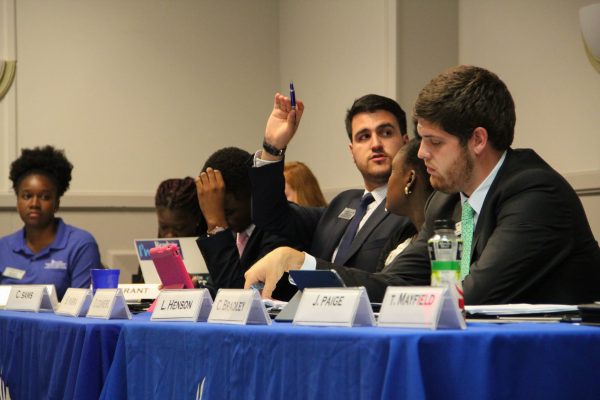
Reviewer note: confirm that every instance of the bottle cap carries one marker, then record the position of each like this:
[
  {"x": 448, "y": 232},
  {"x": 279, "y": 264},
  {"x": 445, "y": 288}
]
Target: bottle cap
[{"x": 443, "y": 224}]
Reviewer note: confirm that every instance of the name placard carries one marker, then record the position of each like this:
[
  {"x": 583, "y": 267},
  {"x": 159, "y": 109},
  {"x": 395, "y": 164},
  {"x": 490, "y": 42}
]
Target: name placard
[
  {"x": 31, "y": 298},
  {"x": 4, "y": 292},
  {"x": 139, "y": 291},
  {"x": 109, "y": 304},
  {"x": 239, "y": 306},
  {"x": 75, "y": 302},
  {"x": 182, "y": 305},
  {"x": 335, "y": 307},
  {"x": 420, "y": 307}
]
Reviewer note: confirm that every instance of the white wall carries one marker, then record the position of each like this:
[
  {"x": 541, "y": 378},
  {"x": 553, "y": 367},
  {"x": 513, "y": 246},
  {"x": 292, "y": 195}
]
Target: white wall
[
  {"x": 140, "y": 90},
  {"x": 535, "y": 46},
  {"x": 335, "y": 51},
  {"x": 137, "y": 91}
]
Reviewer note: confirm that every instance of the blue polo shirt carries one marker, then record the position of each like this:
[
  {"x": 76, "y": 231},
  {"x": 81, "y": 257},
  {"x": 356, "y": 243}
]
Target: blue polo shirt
[{"x": 66, "y": 262}]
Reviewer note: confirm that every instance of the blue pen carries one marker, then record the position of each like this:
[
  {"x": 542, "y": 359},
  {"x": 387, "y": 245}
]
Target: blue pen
[{"x": 293, "y": 95}]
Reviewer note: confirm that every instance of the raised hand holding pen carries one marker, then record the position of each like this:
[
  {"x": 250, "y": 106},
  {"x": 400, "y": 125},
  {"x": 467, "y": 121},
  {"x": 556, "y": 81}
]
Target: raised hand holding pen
[{"x": 281, "y": 125}]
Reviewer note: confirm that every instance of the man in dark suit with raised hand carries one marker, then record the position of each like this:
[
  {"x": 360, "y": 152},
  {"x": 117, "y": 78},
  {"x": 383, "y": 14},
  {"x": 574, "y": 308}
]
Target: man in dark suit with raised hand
[
  {"x": 376, "y": 128},
  {"x": 530, "y": 240}
]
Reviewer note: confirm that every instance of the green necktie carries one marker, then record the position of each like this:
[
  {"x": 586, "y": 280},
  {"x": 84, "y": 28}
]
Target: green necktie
[{"x": 466, "y": 227}]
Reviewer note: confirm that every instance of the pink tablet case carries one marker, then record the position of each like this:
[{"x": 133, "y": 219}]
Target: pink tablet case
[{"x": 170, "y": 267}]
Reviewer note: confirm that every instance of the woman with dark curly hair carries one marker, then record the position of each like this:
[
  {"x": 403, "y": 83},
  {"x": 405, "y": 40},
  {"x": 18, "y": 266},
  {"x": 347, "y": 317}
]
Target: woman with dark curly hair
[{"x": 46, "y": 250}]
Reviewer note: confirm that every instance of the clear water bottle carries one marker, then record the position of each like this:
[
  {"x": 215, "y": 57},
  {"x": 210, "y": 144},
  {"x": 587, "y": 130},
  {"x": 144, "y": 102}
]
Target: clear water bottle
[{"x": 445, "y": 250}]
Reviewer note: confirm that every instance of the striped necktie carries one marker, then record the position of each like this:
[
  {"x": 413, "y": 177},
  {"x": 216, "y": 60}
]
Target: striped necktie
[{"x": 466, "y": 227}]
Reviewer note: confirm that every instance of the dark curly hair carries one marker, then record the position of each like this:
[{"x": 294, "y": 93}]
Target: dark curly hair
[
  {"x": 46, "y": 161},
  {"x": 231, "y": 161},
  {"x": 178, "y": 194}
]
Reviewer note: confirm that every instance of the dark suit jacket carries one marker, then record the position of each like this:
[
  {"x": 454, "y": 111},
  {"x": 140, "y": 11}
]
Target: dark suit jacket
[
  {"x": 532, "y": 242},
  {"x": 319, "y": 230},
  {"x": 227, "y": 268}
]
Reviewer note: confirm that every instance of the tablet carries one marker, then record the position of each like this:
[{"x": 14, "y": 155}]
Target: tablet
[
  {"x": 316, "y": 279},
  {"x": 170, "y": 267}
]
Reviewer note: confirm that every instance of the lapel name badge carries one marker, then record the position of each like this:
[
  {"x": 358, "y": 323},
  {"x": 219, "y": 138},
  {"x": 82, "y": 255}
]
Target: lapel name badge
[{"x": 347, "y": 213}]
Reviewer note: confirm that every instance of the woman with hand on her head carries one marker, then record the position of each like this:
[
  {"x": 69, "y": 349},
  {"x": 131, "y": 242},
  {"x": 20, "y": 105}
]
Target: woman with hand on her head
[
  {"x": 301, "y": 185},
  {"x": 46, "y": 250}
]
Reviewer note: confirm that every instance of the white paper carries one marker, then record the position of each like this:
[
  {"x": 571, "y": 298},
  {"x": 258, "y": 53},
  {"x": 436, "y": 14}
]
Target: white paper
[{"x": 508, "y": 309}]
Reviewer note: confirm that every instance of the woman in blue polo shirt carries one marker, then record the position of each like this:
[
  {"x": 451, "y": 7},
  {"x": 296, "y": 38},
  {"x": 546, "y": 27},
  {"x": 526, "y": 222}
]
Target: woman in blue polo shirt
[{"x": 46, "y": 250}]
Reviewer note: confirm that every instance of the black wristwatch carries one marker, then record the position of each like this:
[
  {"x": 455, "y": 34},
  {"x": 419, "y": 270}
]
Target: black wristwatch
[{"x": 273, "y": 150}]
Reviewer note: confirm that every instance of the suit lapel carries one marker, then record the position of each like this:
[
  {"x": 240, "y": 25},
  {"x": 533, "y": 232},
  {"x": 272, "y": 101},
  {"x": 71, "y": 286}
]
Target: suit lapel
[
  {"x": 485, "y": 217},
  {"x": 247, "y": 255},
  {"x": 340, "y": 225},
  {"x": 374, "y": 219}
]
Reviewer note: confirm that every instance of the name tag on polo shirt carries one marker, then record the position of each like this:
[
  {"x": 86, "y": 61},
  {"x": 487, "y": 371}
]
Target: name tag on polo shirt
[
  {"x": 347, "y": 213},
  {"x": 240, "y": 307},
  {"x": 335, "y": 307},
  {"x": 109, "y": 304},
  {"x": 191, "y": 305},
  {"x": 14, "y": 273},
  {"x": 75, "y": 302},
  {"x": 420, "y": 307},
  {"x": 31, "y": 298}
]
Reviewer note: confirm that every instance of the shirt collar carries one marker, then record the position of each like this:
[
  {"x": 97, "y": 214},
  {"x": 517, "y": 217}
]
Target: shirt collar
[
  {"x": 478, "y": 196},
  {"x": 60, "y": 240},
  {"x": 378, "y": 194},
  {"x": 250, "y": 229}
]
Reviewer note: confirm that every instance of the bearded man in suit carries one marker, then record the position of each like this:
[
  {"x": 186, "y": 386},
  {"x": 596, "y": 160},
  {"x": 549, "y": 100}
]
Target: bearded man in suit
[{"x": 530, "y": 240}]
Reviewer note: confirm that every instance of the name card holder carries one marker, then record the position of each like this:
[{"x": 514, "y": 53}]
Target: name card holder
[
  {"x": 190, "y": 305},
  {"x": 75, "y": 302},
  {"x": 4, "y": 293},
  {"x": 335, "y": 307},
  {"x": 240, "y": 307},
  {"x": 32, "y": 298},
  {"x": 420, "y": 307},
  {"x": 109, "y": 304},
  {"x": 139, "y": 291}
]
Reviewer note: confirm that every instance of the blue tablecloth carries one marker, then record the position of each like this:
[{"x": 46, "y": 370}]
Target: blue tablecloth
[
  {"x": 158, "y": 360},
  {"x": 46, "y": 356}
]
